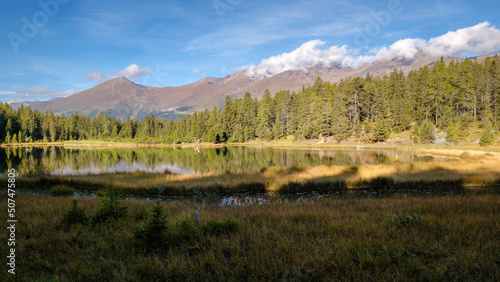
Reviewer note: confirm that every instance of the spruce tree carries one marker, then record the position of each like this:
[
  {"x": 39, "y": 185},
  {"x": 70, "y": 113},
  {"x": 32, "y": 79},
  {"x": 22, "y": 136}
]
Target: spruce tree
[
  {"x": 451, "y": 135},
  {"x": 487, "y": 136},
  {"x": 382, "y": 132},
  {"x": 266, "y": 117},
  {"x": 156, "y": 229},
  {"x": 426, "y": 132},
  {"x": 75, "y": 215}
]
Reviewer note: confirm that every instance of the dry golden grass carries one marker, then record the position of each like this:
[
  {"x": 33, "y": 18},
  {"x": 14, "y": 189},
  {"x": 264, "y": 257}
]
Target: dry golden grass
[{"x": 479, "y": 169}]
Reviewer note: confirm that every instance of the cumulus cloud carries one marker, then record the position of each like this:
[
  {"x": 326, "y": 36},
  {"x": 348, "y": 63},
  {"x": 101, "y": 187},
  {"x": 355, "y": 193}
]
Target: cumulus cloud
[
  {"x": 307, "y": 55},
  {"x": 43, "y": 93},
  {"x": 479, "y": 39},
  {"x": 131, "y": 72}
]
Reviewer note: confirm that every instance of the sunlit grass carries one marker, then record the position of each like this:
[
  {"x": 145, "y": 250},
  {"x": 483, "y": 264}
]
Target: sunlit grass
[{"x": 478, "y": 169}]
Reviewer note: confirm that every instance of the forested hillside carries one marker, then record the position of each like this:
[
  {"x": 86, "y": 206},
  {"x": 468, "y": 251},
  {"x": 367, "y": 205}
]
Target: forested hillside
[{"x": 447, "y": 97}]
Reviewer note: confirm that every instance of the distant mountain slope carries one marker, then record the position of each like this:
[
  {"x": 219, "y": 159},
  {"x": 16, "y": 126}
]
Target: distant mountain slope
[
  {"x": 123, "y": 98},
  {"x": 32, "y": 104},
  {"x": 120, "y": 97}
]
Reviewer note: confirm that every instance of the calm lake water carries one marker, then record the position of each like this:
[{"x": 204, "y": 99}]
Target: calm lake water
[{"x": 71, "y": 161}]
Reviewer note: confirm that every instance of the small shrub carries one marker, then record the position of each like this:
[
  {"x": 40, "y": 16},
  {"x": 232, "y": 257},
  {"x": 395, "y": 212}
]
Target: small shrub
[
  {"x": 62, "y": 190},
  {"x": 425, "y": 133},
  {"x": 156, "y": 230},
  {"x": 187, "y": 231},
  {"x": 74, "y": 215},
  {"x": 217, "y": 227},
  {"x": 110, "y": 204}
]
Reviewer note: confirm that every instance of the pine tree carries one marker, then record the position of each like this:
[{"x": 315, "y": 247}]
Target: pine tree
[
  {"x": 156, "y": 229},
  {"x": 426, "y": 132},
  {"x": 75, "y": 215},
  {"x": 463, "y": 128},
  {"x": 382, "y": 131},
  {"x": 451, "y": 135},
  {"x": 110, "y": 204},
  {"x": 487, "y": 137},
  {"x": 7, "y": 138},
  {"x": 266, "y": 117},
  {"x": 228, "y": 117}
]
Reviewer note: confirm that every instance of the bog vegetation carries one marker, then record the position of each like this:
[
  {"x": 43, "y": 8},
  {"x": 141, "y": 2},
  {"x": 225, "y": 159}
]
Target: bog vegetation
[
  {"x": 423, "y": 238},
  {"x": 447, "y": 97}
]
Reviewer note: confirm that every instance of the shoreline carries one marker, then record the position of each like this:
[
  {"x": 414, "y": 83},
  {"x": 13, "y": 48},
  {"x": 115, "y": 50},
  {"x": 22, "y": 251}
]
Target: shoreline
[{"x": 455, "y": 151}]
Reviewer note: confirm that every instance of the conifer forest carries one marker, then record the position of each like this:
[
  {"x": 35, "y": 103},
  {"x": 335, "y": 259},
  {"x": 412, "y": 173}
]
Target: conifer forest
[{"x": 446, "y": 97}]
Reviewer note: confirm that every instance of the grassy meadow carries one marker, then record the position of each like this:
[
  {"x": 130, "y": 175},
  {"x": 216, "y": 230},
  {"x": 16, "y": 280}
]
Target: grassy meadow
[
  {"x": 415, "y": 221},
  {"x": 416, "y": 238}
]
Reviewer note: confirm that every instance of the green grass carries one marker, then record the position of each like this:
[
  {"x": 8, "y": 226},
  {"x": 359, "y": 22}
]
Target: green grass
[{"x": 455, "y": 238}]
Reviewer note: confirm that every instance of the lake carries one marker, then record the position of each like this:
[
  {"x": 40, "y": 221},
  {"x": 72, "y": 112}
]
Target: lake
[{"x": 72, "y": 161}]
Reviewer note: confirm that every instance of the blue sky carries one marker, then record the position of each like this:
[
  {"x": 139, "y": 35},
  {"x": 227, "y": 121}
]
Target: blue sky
[{"x": 53, "y": 48}]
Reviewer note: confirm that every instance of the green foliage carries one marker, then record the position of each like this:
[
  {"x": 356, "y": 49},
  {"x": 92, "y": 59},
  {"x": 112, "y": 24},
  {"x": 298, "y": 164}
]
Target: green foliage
[
  {"x": 74, "y": 215},
  {"x": 186, "y": 231},
  {"x": 156, "y": 230},
  {"x": 425, "y": 133},
  {"x": 7, "y": 138},
  {"x": 463, "y": 128},
  {"x": 438, "y": 94},
  {"x": 382, "y": 131},
  {"x": 451, "y": 135},
  {"x": 111, "y": 207},
  {"x": 487, "y": 136}
]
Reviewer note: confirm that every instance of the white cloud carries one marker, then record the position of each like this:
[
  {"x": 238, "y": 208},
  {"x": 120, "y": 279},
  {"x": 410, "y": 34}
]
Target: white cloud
[
  {"x": 131, "y": 72},
  {"x": 96, "y": 76},
  {"x": 479, "y": 39},
  {"x": 43, "y": 93},
  {"x": 307, "y": 55},
  {"x": 7, "y": 92},
  {"x": 195, "y": 71}
]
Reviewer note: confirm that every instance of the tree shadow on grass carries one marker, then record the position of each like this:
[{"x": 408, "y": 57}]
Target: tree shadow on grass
[
  {"x": 273, "y": 180},
  {"x": 433, "y": 180}
]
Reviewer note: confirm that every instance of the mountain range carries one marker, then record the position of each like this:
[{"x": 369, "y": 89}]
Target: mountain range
[{"x": 122, "y": 98}]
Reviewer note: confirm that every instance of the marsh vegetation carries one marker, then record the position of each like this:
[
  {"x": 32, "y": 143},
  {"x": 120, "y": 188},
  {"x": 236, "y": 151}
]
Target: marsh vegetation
[
  {"x": 454, "y": 238},
  {"x": 364, "y": 219}
]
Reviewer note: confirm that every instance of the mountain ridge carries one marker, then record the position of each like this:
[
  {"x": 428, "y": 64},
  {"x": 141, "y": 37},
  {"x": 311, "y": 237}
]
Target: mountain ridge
[{"x": 122, "y": 98}]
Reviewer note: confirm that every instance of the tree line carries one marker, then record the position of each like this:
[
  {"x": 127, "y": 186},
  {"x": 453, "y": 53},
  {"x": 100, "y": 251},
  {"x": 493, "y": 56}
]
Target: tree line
[{"x": 445, "y": 97}]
